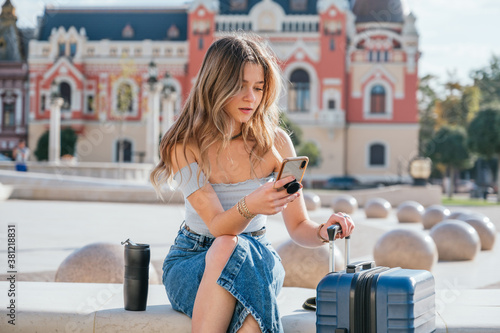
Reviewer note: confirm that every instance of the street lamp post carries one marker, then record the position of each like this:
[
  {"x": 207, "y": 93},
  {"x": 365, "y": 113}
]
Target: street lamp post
[
  {"x": 169, "y": 98},
  {"x": 55, "y": 123},
  {"x": 152, "y": 128},
  {"x": 420, "y": 170}
]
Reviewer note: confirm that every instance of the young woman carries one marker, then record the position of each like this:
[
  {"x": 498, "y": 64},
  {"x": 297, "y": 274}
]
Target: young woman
[{"x": 224, "y": 152}]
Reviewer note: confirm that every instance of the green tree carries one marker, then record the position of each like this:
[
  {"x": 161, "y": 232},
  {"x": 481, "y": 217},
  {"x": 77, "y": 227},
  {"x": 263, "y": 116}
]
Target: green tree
[
  {"x": 483, "y": 135},
  {"x": 449, "y": 147},
  {"x": 312, "y": 151},
  {"x": 459, "y": 105},
  {"x": 487, "y": 80},
  {"x": 427, "y": 98},
  {"x": 292, "y": 129},
  {"x": 68, "y": 144}
]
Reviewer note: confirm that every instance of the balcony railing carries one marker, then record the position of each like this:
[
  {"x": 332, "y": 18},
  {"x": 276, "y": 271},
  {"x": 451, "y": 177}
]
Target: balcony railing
[
  {"x": 329, "y": 119},
  {"x": 128, "y": 171}
]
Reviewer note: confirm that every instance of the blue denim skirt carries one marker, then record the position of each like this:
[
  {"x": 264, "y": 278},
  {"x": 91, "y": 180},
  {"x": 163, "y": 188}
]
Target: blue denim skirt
[{"x": 253, "y": 275}]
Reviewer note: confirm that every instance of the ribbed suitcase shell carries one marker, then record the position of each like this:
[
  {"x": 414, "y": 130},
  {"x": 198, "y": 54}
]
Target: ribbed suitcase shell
[{"x": 396, "y": 300}]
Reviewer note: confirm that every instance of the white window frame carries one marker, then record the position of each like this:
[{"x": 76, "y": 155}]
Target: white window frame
[
  {"x": 115, "y": 150},
  {"x": 135, "y": 96},
  {"x": 389, "y": 101}
]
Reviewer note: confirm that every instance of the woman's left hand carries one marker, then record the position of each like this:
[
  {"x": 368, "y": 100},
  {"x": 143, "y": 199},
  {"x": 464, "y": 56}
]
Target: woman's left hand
[{"x": 346, "y": 225}]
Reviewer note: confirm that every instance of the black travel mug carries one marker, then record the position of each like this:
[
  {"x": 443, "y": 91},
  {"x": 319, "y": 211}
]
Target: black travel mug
[{"x": 136, "y": 279}]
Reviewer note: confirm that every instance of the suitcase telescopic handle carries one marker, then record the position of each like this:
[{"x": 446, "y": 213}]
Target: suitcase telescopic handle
[
  {"x": 360, "y": 266},
  {"x": 332, "y": 233}
]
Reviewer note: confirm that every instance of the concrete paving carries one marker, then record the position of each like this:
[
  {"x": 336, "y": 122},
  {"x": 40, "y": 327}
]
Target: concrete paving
[{"x": 49, "y": 231}]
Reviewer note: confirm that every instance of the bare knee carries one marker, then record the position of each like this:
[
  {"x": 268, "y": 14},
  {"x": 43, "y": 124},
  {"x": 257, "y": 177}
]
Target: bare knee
[{"x": 220, "y": 251}]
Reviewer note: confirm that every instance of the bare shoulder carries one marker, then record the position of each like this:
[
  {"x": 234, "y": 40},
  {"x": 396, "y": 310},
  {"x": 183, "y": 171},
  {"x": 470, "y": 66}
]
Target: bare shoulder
[
  {"x": 284, "y": 144},
  {"x": 181, "y": 157}
]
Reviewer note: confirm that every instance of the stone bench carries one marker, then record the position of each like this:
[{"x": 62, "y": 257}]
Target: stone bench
[
  {"x": 90, "y": 307},
  {"x": 47, "y": 307}
]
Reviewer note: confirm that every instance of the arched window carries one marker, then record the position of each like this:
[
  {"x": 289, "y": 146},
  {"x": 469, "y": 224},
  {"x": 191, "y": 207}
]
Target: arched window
[
  {"x": 298, "y": 92},
  {"x": 125, "y": 98},
  {"x": 126, "y": 149},
  {"x": 62, "y": 49},
  {"x": 377, "y": 155},
  {"x": 72, "y": 49},
  {"x": 65, "y": 91},
  {"x": 377, "y": 99}
]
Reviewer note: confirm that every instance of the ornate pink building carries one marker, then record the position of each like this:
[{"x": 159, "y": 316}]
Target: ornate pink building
[{"x": 351, "y": 70}]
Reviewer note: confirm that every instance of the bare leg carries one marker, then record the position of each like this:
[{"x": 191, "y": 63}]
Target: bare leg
[
  {"x": 214, "y": 305},
  {"x": 250, "y": 325}
]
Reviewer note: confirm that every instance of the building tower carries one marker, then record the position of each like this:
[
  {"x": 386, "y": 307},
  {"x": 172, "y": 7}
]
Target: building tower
[
  {"x": 13, "y": 81},
  {"x": 382, "y": 74}
]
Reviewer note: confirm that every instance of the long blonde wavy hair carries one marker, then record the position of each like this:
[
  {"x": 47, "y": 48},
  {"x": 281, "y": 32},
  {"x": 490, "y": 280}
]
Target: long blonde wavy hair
[{"x": 203, "y": 120}]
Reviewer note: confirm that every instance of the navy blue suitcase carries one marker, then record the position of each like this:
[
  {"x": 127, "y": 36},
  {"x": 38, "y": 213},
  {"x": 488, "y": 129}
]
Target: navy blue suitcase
[{"x": 368, "y": 299}]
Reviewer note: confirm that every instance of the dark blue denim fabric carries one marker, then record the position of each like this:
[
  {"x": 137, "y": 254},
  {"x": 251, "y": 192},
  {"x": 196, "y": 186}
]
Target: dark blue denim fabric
[{"x": 253, "y": 275}]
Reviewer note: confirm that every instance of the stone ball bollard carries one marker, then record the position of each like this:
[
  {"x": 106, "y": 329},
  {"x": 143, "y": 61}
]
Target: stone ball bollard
[
  {"x": 406, "y": 248},
  {"x": 377, "y": 208},
  {"x": 465, "y": 215},
  {"x": 344, "y": 203},
  {"x": 97, "y": 263},
  {"x": 460, "y": 215},
  {"x": 434, "y": 214},
  {"x": 455, "y": 240},
  {"x": 410, "y": 212},
  {"x": 485, "y": 229},
  {"x": 312, "y": 201},
  {"x": 305, "y": 267}
]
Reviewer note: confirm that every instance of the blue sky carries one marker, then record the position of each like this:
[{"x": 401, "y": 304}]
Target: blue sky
[{"x": 456, "y": 36}]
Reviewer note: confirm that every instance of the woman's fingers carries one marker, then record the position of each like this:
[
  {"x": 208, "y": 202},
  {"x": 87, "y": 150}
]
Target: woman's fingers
[
  {"x": 268, "y": 200},
  {"x": 282, "y": 182},
  {"x": 282, "y": 203},
  {"x": 345, "y": 222}
]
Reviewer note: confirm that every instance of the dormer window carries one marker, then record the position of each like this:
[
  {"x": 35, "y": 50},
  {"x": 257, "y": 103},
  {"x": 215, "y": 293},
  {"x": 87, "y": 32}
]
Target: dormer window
[
  {"x": 237, "y": 5},
  {"x": 173, "y": 32},
  {"x": 62, "y": 49},
  {"x": 128, "y": 31},
  {"x": 298, "y": 5}
]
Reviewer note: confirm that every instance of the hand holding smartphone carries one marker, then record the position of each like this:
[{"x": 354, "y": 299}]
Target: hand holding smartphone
[{"x": 296, "y": 167}]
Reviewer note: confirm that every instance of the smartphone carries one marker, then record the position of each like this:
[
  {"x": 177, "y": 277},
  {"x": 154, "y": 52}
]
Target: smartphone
[{"x": 293, "y": 166}]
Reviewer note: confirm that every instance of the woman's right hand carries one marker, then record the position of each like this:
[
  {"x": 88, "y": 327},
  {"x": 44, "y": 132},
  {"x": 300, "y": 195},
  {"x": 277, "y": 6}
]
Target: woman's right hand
[{"x": 271, "y": 198}]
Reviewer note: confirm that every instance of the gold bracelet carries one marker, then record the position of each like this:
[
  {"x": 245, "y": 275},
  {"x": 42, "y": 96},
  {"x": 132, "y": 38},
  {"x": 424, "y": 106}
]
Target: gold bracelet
[
  {"x": 324, "y": 240},
  {"x": 238, "y": 206},
  {"x": 243, "y": 209}
]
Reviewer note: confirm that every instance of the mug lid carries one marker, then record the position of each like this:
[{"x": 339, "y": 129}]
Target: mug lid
[
  {"x": 137, "y": 246},
  {"x": 131, "y": 245}
]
